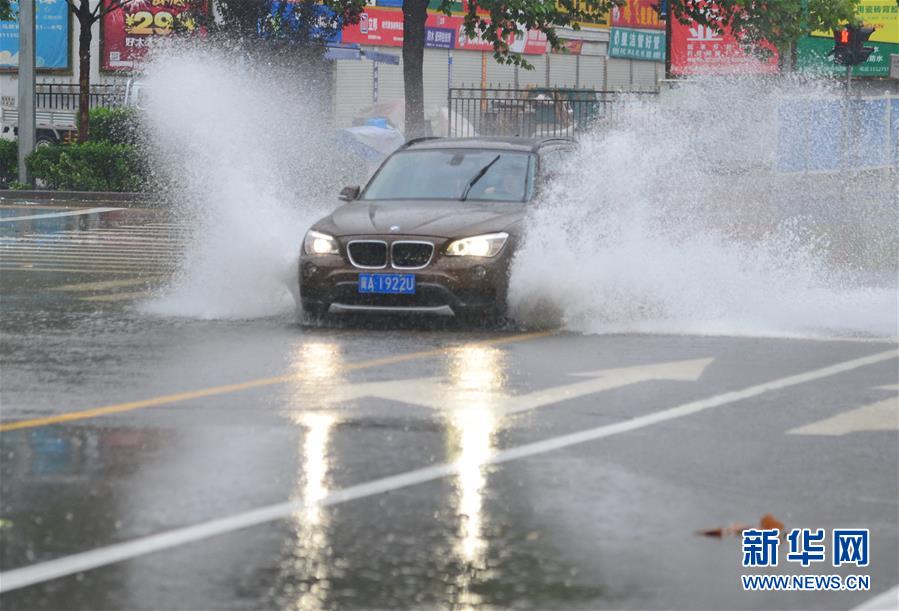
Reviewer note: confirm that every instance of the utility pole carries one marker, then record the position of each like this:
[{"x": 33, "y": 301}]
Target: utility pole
[
  {"x": 26, "y": 87},
  {"x": 665, "y": 9}
]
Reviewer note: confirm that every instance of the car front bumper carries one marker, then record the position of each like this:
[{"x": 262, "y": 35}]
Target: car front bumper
[{"x": 447, "y": 286}]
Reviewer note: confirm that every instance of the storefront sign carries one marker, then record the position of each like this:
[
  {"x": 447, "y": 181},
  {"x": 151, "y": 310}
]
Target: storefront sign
[
  {"x": 882, "y": 15},
  {"x": 637, "y": 44},
  {"x": 570, "y": 46},
  {"x": 813, "y": 56},
  {"x": 129, "y": 31},
  {"x": 51, "y": 24},
  {"x": 384, "y": 27},
  {"x": 642, "y": 14},
  {"x": 599, "y": 22},
  {"x": 697, "y": 49}
]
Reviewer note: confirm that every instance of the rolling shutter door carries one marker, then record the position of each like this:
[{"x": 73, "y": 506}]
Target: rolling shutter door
[
  {"x": 618, "y": 74},
  {"x": 499, "y": 75},
  {"x": 563, "y": 70},
  {"x": 644, "y": 76},
  {"x": 466, "y": 69},
  {"x": 352, "y": 90},
  {"x": 435, "y": 78},
  {"x": 535, "y": 77},
  {"x": 591, "y": 72}
]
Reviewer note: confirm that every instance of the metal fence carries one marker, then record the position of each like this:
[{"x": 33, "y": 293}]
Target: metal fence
[
  {"x": 56, "y": 96},
  {"x": 533, "y": 112}
]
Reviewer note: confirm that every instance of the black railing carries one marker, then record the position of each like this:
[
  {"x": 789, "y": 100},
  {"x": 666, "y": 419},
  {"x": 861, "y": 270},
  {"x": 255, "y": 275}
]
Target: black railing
[
  {"x": 64, "y": 96},
  {"x": 534, "y": 112}
]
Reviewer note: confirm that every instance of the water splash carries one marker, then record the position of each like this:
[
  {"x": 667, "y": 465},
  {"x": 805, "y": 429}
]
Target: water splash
[
  {"x": 674, "y": 221},
  {"x": 245, "y": 156}
]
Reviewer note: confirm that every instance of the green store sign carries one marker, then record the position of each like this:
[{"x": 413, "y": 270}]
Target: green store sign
[
  {"x": 637, "y": 44},
  {"x": 812, "y": 56}
]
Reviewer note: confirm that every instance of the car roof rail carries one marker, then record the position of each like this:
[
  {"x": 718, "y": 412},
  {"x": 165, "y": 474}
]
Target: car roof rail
[
  {"x": 555, "y": 140},
  {"x": 409, "y": 143}
]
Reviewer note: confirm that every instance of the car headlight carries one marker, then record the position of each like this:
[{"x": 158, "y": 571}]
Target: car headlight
[
  {"x": 318, "y": 243},
  {"x": 487, "y": 245}
]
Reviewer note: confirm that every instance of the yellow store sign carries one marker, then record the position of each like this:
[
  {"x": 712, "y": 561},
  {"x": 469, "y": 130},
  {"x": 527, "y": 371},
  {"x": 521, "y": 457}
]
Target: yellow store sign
[{"x": 882, "y": 15}]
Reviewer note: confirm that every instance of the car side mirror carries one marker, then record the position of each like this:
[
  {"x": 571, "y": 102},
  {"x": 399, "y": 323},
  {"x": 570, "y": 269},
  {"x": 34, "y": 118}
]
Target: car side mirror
[{"x": 348, "y": 194}]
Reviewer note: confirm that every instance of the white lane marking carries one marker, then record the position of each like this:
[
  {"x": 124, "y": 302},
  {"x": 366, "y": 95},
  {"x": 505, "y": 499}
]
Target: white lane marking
[
  {"x": 888, "y": 601},
  {"x": 50, "y": 215},
  {"x": 879, "y": 416},
  {"x": 437, "y": 393},
  {"x": 68, "y": 565}
]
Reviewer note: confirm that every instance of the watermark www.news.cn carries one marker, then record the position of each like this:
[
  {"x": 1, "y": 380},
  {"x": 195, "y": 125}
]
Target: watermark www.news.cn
[{"x": 849, "y": 547}]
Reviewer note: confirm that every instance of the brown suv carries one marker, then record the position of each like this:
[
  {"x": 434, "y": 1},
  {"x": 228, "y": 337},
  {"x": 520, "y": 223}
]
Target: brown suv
[{"x": 434, "y": 231}]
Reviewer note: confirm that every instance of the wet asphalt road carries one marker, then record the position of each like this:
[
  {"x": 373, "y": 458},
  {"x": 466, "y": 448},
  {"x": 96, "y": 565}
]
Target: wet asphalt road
[{"x": 209, "y": 420}]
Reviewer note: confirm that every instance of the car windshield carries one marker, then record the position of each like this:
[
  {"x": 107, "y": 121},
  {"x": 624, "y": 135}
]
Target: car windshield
[{"x": 482, "y": 175}]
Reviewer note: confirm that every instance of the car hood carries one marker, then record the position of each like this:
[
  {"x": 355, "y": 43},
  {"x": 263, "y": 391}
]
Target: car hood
[{"x": 447, "y": 219}]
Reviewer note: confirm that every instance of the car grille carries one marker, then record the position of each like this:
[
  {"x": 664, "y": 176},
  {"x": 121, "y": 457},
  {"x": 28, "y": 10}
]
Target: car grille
[
  {"x": 411, "y": 255},
  {"x": 368, "y": 253}
]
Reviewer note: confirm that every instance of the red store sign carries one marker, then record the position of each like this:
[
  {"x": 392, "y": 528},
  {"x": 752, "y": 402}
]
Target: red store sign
[
  {"x": 698, "y": 49},
  {"x": 384, "y": 27}
]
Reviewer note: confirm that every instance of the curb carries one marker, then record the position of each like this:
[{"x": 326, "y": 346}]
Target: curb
[{"x": 124, "y": 200}]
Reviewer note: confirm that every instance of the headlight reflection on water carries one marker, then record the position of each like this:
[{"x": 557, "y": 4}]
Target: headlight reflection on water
[
  {"x": 318, "y": 369},
  {"x": 475, "y": 385}
]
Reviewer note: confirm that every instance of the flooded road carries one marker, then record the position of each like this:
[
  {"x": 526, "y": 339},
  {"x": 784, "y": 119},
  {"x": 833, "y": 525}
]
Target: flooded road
[{"x": 151, "y": 462}]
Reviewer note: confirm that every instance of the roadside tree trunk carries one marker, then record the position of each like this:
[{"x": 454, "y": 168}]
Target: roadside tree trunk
[
  {"x": 415, "y": 13},
  {"x": 85, "y": 22}
]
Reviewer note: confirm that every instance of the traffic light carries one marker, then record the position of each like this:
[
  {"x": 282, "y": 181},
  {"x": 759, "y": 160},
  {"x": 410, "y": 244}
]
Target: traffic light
[
  {"x": 849, "y": 45},
  {"x": 860, "y": 52},
  {"x": 842, "y": 51}
]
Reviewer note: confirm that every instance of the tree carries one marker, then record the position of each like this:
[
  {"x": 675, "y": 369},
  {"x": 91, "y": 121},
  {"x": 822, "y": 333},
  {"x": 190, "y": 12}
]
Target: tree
[
  {"x": 778, "y": 22},
  {"x": 286, "y": 29},
  {"x": 6, "y": 12},
  {"x": 87, "y": 17},
  {"x": 494, "y": 21}
]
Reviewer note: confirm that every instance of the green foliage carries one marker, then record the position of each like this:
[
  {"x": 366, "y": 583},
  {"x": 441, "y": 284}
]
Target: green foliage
[
  {"x": 780, "y": 22},
  {"x": 6, "y": 12},
  {"x": 92, "y": 166},
  {"x": 495, "y": 20},
  {"x": 115, "y": 125},
  {"x": 9, "y": 161},
  {"x": 276, "y": 23}
]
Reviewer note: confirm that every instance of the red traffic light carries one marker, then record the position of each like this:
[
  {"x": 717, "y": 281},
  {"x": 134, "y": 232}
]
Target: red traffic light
[{"x": 843, "y": 37}]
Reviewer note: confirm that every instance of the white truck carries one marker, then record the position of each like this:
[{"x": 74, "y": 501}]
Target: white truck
[
  {"x": 53, "y": 125},
  {"x": 56, "y": 114}
]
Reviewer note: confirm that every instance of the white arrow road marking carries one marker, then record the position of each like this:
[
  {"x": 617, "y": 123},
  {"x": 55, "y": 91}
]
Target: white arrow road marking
[
  {"x": 103, "y": 556},
  {"x": 880, "y": 416},
  {"x": 438, "y": 393}
]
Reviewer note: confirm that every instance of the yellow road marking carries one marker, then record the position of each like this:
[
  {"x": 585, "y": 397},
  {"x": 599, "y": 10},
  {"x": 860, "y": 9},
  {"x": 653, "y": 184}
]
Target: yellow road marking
[
  {"x": 103, "y": 284},
  {"x": 118, "y": 408},
  {"x": 117, "y": 296}
]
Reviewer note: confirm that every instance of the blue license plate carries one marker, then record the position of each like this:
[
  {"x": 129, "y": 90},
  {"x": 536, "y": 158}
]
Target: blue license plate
[{"x": 389, "y": 284}]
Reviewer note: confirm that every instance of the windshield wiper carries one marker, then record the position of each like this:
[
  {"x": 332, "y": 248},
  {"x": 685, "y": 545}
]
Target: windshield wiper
[{"x": 478, "y": 177}]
